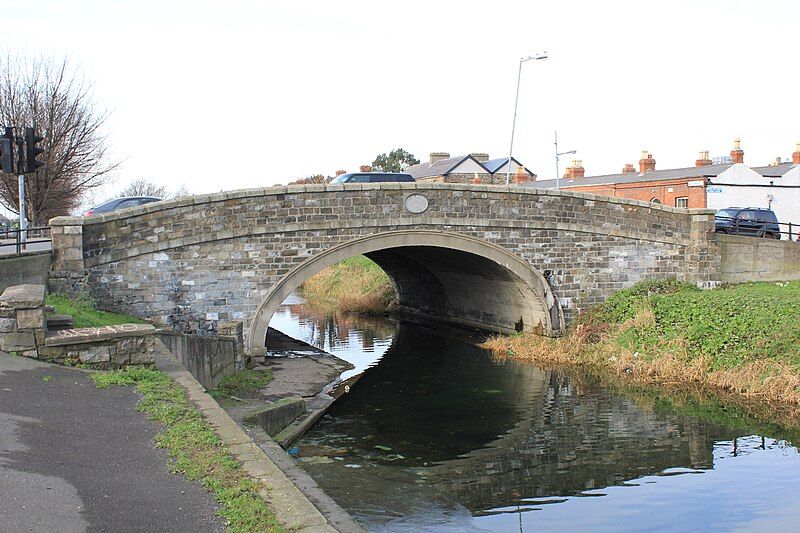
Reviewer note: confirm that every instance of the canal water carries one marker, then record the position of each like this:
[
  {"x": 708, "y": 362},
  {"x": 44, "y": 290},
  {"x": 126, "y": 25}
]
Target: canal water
[{"x": 436, "y": 435}]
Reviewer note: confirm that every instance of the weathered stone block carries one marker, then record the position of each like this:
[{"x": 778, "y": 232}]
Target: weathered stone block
[
  {"x": 30, "y": 318},
  {"x": 94, "y": 354},
  {"x": 7, "y": 325},
  {"x": 17, "y": 341},
  {"x": 52, "y": 352},
  {"x": 23, "y": 296}
]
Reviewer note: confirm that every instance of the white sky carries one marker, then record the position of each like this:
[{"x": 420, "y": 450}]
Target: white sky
[{"x": 314, "y": 86}]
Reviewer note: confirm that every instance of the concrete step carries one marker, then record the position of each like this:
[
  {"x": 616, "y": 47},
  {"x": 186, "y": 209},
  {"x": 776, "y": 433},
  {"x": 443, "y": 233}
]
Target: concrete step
[{"x": 59, "y": 322}]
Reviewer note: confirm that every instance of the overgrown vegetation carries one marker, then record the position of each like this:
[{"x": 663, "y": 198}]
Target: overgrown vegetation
[
  {"x": 743, "y": 338},
  {"x": 242, "y": 383},
  {"x": 85, "y": 312},
  {"x": 194, "y": 448},
  {"x": 356, "y": 285}
]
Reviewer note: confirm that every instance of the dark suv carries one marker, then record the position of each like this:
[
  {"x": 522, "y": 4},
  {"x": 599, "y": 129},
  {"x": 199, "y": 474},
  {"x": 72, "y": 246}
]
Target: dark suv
[
  {"x": 372, "y": 177},
  {"x": 753, "y": 221}
]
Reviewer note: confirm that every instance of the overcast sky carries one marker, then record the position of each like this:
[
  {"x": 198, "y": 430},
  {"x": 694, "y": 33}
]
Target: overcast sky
[{"x": 236, "y": 94}]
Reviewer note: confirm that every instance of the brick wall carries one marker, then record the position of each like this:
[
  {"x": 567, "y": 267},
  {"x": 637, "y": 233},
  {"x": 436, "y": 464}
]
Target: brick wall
[{"x": 646, "y": 190}]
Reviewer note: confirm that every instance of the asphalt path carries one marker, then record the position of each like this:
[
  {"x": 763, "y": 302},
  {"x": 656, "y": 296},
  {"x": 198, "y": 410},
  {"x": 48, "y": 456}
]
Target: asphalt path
[{"x": 75, "y": 458}]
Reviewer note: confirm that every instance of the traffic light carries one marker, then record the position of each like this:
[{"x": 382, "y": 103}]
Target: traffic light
[
  {"x": 32, "y": 151},
  {"x": 7, "y": 152}
]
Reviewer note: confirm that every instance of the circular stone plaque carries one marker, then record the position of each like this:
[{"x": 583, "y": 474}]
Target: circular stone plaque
[{"x": 416, "y": 203}]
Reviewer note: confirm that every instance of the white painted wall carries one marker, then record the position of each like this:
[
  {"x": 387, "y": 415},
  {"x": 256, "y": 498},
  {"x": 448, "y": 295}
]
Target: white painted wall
[
  {"x": 468, "y": 166},
  {"x": 741, "y": 186}
]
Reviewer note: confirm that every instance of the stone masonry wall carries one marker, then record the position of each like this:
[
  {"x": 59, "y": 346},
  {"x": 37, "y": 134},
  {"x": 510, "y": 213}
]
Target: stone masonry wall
[{"x": 195, "y": 261}]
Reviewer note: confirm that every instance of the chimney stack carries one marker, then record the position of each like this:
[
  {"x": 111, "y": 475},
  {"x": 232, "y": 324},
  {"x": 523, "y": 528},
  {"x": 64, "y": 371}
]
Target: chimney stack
[
  {"x": 737, "y": 154},
  {"x": 480, "y": 156},
  {"x": 340, "y": 172},
  {"x": 575, "y": 170},
  {"x": 365, "y": 168},
  {"x": 438, "y": 156},
  {"x": 646, "y": 163},
  {"x": 476, "y": 180},
  {"x": 521, "y": 175},
  {"x": 628, "y": 168},
  {"x": 796, "y": 155},
  {"x": 702, "y": 159}
]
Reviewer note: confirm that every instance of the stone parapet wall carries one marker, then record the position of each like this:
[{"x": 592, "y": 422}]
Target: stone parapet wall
[
  {"x": 745, "y": 259},
  {"x": 23, "y": 331},
  {"x": 194, "y": 262},
  {"x": 103, "y": 348}
]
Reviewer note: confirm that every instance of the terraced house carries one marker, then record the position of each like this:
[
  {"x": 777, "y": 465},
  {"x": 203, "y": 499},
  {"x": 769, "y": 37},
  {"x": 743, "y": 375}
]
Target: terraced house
[
  {"x": 469, "y": 168},
  {"x": 724, "y": 182}
]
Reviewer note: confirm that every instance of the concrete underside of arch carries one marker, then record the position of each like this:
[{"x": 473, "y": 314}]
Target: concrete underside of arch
[{"x": 440, "y": 277}]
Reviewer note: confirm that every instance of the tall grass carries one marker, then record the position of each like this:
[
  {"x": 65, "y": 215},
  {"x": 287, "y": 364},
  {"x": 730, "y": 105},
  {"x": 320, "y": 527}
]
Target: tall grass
[
  {"x": 354, "y": 286},
  {"x": 744, "y": 339}
]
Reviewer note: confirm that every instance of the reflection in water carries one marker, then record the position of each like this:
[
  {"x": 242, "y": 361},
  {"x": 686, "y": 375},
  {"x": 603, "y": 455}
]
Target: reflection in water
[
  {"x": 361, "y": 341},
  {"x": 438, "y": 436}
]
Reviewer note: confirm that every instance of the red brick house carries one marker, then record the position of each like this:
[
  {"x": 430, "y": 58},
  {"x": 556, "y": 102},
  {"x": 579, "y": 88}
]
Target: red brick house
[{"x": 676, "y": 187}]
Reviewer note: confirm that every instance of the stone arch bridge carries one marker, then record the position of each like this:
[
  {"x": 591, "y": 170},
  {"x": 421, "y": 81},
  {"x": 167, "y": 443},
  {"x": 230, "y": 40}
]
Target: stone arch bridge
[{"x": 498, "y": 258}]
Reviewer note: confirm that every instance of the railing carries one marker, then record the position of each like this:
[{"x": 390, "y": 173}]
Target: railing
[
  {"x": 759, "y": 228},
  {"x": 14, "y": 237}
]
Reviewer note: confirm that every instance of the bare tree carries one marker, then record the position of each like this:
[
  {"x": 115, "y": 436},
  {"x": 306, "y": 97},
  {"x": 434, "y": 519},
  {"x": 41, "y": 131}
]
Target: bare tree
[
  {"x": 53, "y": 98},
  {"x": 145, "y": 187}
]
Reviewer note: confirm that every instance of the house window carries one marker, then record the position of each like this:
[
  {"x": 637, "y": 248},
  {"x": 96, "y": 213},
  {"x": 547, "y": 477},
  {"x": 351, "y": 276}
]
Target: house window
[
  {"x": 682, "y": 201},
  {"x": 655, "y": 200}
]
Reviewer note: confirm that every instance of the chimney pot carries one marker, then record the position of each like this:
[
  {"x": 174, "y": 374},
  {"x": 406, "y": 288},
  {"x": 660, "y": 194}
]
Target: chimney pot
[
  {"x": 737, "y": 154},
  {"x": 702, "y": 159},
  {"x": 628, "y": 168},
  {"x": 521, "y": 175},
  {"x": 365, "y": 168},
  {"x": 796, "y": 155},
  {"x": 575, "y": 171},
  {"x": 647, "y": 163},
  {"x": 340, "y": 172}
]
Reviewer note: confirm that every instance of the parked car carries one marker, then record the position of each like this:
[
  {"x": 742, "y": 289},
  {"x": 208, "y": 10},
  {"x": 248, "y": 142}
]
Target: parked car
[
  {"x": 120, "y": 203},
  {"x": 372, "y": 177},
  {"x": 753, "y": 221}
]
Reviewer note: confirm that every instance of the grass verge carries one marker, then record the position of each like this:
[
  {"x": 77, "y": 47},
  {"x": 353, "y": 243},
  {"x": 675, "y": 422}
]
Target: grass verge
[
  {"x": 86, "y": 314},
  {"x": 742, "y": 339},
  {"x": 194, "y": 448},
  {"x": 242, "y": 383},
  {"x": 356, "y": 285}
]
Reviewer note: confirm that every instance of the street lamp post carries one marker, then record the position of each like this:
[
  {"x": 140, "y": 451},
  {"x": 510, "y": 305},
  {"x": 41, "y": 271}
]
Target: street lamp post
[
  {"x": 522, "y": 60},
  {"x": 558, "y": 154}
]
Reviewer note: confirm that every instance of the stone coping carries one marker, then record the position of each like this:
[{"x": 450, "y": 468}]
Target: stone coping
[
  {"x": 25, "y": 296},
  {"x": 64, "y": 337},
  {"x": 321, "y": 188}
]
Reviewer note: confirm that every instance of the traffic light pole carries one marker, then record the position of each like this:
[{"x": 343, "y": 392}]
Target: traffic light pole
[{"x": 23, "y": 220}]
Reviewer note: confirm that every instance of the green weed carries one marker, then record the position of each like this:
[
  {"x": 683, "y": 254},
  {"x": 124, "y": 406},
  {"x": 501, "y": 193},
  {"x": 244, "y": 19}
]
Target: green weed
[
  {"x": 86, "y": 314},
  {"x": 194, "y": 448}
]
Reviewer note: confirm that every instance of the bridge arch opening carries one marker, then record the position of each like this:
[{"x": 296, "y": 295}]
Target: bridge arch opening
[{"x": 440, "y": 277}]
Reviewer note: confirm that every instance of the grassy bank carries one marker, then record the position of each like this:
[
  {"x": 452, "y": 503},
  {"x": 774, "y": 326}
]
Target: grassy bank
[
  {"x": 743, "y": 339},
  {"x": 86, "y": 314},
  {"x": 356, "y": 285},
  {"x": 194, "y": 449}
]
